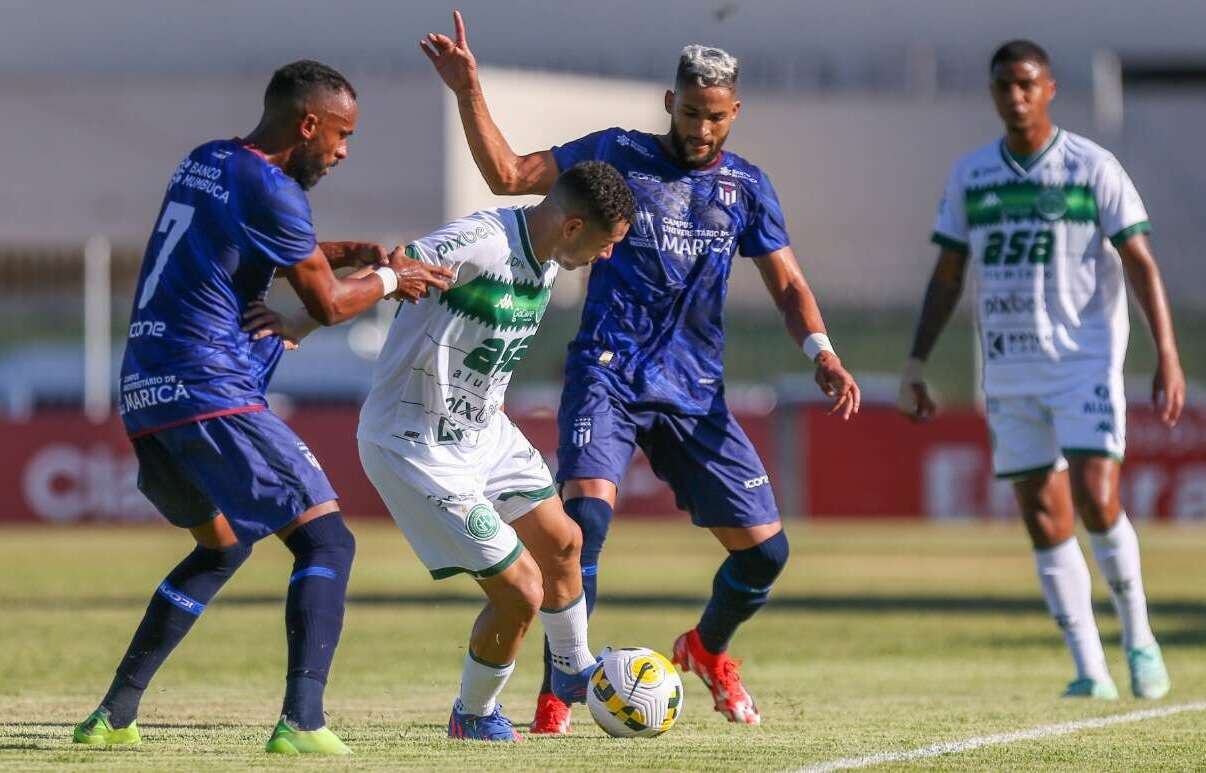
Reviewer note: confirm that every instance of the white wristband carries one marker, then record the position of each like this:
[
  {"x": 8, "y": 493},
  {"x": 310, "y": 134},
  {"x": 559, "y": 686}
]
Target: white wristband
[
  {"x": 914, "y": 371},
  {"x": 815, "y": 344},
  {"x": 389, "y": 278}
]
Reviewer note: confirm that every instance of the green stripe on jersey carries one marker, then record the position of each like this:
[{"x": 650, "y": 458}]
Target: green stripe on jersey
[
  {"x": 1027, "y": 200},
  {"x": 497, "y": 303}
]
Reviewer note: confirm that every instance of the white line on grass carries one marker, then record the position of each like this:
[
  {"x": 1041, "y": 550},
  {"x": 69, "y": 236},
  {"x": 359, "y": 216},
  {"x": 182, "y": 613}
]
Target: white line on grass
[{"x": 1034, "y": 733}]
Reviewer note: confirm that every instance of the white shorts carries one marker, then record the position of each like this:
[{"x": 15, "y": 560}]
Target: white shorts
[
  {"x": 455, "y": 504},
  {"x": 1032, "y": 434}
]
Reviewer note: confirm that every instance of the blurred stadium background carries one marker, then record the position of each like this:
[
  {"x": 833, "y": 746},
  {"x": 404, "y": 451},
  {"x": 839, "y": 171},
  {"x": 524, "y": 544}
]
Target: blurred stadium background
[
  {"x": 856, "y": 109},
  {"x": 879, "y": 636}
]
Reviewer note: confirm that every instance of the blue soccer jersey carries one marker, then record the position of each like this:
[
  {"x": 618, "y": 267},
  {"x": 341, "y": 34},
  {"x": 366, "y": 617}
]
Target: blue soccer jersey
[
  {"x": 229, "y": 219},
  {"x": 652, "y": 325}
]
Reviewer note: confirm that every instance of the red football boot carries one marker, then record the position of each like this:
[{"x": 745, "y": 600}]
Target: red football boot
[
  {"x": 719, "y": 673},
  {"x": 552, "y": 716}
]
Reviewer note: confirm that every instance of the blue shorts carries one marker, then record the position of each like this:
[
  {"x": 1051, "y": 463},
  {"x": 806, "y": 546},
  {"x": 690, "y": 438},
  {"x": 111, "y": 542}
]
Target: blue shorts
[
  {"x": 708, "y": 461},
  {"x": 249, "y": 466}
]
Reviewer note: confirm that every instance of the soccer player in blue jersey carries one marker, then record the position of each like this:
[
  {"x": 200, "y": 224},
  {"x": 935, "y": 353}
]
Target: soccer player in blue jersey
[
  {"x": 646, "y": 367},
  {"x": 212, "y": 457}
]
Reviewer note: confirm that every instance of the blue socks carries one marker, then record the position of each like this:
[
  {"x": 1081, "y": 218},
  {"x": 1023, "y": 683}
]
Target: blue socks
[
  {"x": 740, "y": 589},
  {"x": 322, "y": 550},
  {"x": 593, "y": 516},
  {"x": 176, "y": 605}
]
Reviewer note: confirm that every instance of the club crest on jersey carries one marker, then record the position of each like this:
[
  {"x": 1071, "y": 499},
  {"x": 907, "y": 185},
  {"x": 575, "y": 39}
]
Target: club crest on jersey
[
  {"x": 643, "y": 224},
  {"x": 1051, "y": 204},
  {"x": 582, "y": 427},
  {"x": 726, "y": 191}
]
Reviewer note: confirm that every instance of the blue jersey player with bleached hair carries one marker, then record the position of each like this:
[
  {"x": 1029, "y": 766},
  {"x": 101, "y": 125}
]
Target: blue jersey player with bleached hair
[
  {"x": 646, "y": 368},
  {"x": 212, "y": 457}
]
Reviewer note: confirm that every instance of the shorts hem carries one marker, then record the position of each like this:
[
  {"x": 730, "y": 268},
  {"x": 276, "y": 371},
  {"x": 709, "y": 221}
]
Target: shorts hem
[
  {"x": 1102, "y": 452},
  {"x": 1025, "y": 473},
  {"x": 490, "y": 571},
  {"x": 729, "y": 522},
  {"x": 538, "y": 495}
]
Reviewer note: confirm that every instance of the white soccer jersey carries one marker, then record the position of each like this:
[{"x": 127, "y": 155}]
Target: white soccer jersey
[
  {"x": 1050, "y": 298},
  {"x": 446, "y": 363}
]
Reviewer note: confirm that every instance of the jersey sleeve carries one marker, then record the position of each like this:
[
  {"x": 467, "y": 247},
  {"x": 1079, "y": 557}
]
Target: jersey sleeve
[
  {"x": 950, "y": 229},
  {"x": 1120, "y": 211},
  {"x": 766, "y": 230},
  {"x": 592, "y": 147},
  {"x": 276, "y": 222}
]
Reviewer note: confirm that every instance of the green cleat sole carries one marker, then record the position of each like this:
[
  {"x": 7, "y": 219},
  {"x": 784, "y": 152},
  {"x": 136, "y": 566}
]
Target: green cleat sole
[
  {"x": 286, "y": 740},
  {"x": 1092, "y": 688},
  {"x": 96, "y": 731}
]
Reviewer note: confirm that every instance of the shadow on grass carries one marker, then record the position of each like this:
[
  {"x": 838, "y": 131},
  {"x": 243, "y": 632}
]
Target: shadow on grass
[{"x": 851, "y": 604}]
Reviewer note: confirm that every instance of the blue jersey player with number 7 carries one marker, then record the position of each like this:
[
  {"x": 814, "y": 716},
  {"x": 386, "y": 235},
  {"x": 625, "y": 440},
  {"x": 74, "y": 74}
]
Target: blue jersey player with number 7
[
  {"x": 646, "y": 368},
  {"x": 213, "y": 458}
]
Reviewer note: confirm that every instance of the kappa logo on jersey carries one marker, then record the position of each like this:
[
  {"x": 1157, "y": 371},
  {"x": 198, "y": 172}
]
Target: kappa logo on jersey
[
  {"x": 726, "y": 191},
  {"x": 582, "y": 428}
]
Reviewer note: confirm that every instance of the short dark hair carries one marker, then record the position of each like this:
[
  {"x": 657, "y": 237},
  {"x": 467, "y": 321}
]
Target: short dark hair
[
  {"x": 1019, "y": 51},
  {"x": 295, "y": 83},
  {"x": 597, "y": 191}
]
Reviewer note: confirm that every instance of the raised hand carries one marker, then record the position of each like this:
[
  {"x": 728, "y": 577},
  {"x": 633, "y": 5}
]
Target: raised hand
[
  {"x": 452, "y": 59},
  {"x": 836, "y": 382},
  {"x": 416, "y": 278}
]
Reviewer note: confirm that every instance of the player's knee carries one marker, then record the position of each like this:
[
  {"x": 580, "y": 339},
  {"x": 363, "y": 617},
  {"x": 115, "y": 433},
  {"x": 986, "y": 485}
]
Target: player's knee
[
  {"x": 1097, "y": 510},
  {"x": 326, "y": 539},
  {"x": 523, "y": 597},
  {"x": 593, "y": 516},
  {"x": 761, "y": 565},
  {"x": 221, "y": 561}
]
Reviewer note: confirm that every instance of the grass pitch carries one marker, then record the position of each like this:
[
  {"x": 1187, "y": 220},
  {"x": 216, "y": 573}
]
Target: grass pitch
[{"x": 878, "y": 638}]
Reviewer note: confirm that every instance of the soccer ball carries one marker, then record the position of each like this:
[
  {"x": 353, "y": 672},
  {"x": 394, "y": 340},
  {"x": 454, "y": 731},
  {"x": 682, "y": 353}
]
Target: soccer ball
[{"x": 635, "y": 693}]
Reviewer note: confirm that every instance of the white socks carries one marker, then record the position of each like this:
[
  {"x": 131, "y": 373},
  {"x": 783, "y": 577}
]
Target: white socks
[
  {"x": 1064, "y": 576},
  {"x": 1117, "y": 554},
  {"x": 566, "y": 631},
  {"x": 481, "y": 683}
]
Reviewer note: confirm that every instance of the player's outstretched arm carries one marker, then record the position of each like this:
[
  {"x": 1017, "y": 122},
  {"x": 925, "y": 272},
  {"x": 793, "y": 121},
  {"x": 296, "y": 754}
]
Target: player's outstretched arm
[
  {"x": 354, "y": 254},
  {"x": 504, "y": 171},
  {"x": 331, "y": 300},
  {"x": 786, "y": 284},
  {"x": 941, "y": 298},
  {"x": 1168, "y": 386}
]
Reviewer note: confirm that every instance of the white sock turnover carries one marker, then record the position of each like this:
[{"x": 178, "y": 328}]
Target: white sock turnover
[
  {"x": 566, "y": 630},
  {"x": 481, "y": 683}
]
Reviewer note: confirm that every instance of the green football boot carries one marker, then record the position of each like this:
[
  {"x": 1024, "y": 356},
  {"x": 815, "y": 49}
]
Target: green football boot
[
  {"x": 1098, "y": 689},
  {"x": 1149, "y": 677},
  {"x": 97, "y": 731},
  {"x": 287, "y": 739}
]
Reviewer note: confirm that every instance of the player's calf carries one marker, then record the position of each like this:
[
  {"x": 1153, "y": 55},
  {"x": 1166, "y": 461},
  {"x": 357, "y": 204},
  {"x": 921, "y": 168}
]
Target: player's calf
[
  {"x": 740, "y": 588},
  {"x": 178, "y": 601},
  {"x": 323, "y": 550}
]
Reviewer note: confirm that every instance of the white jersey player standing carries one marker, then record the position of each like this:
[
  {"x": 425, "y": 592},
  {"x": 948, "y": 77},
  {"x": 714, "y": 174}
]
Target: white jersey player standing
[
  {"x": 1034, "y": 215},
  {"x": 467, "y": 489}
]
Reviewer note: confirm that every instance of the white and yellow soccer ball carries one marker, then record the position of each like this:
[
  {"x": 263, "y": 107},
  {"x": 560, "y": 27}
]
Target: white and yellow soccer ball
[{"x": 635, "y": 693}]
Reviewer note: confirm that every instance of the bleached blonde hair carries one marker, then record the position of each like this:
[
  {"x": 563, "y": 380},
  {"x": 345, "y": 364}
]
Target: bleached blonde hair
[{"x": 706, "y": 66}]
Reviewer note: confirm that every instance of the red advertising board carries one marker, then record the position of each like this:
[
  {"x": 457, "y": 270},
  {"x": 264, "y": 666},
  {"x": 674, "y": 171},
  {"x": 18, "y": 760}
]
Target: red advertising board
[
  {"x": 881, "y": 464},
  {"x": 59, "y": 468}
]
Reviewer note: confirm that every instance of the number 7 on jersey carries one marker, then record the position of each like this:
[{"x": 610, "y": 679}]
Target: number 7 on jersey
[{"x": 175, "y": 221}]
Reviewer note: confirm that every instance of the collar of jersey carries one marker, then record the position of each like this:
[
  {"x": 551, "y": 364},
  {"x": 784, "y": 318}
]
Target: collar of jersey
[
  {"x": 526, "y": 240},
  {"x": 1021, "y": 169}
]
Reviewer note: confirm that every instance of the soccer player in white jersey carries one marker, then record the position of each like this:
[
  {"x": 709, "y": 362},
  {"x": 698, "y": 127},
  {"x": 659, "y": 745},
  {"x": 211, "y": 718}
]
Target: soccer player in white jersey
[
  {"x": 1050, "y": 224},
  {"x": 467, "y": 489}
]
